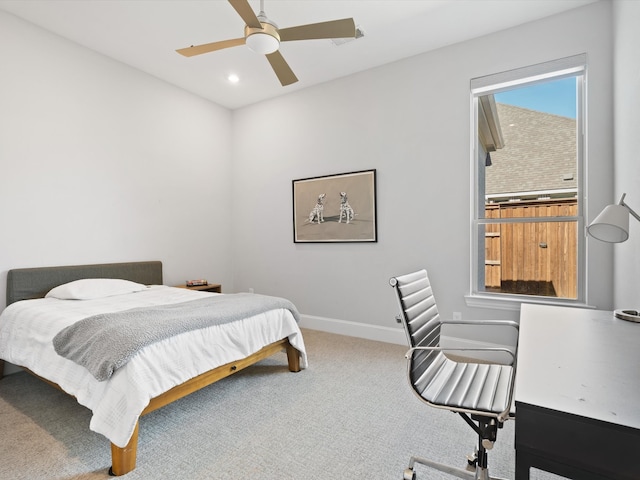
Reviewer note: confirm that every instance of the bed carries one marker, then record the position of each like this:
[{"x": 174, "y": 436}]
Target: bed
[{"x": 156, "y": 375}]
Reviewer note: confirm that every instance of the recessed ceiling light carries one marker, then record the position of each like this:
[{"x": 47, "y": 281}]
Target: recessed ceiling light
[{"x": 233, "y": 78}]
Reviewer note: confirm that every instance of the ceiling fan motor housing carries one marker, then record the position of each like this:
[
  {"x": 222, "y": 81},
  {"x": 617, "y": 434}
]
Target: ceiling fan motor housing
[{"x": 263, "y": 40}]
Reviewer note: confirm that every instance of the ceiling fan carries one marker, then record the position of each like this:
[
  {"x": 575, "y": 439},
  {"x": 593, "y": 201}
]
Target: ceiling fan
[{"x": 263, "y": 36}]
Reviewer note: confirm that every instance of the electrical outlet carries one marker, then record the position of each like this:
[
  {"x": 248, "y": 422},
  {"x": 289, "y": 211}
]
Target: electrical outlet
[
  {"x": 251, "y": 290},
  {"x": 457, "y": 316}
]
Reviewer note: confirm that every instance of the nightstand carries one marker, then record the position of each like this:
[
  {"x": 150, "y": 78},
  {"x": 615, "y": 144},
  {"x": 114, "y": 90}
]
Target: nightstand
[{"x": 212, "y": 287}]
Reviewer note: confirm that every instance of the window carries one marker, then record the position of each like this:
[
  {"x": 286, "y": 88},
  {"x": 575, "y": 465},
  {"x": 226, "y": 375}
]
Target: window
[{"x": 528, "y": 184}]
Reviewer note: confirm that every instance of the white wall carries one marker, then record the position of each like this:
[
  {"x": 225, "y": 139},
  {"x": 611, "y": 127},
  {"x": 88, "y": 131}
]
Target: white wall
[
  {"x": 411, "y": 121},
  {"x": 627, "y": 157},
  {"x": 104, "y": 160},
  {"x": 100, "y": 162}
]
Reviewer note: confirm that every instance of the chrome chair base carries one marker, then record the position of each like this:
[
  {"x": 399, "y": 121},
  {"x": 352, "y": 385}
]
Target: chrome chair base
[{"x": 479, "y": 473}]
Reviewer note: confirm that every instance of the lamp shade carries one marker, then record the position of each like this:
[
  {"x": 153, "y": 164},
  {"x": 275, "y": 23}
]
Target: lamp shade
[{"x": 612, "y": 225}]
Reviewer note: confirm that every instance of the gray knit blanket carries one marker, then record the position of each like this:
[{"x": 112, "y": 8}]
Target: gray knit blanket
[{"x": 105, "y": 342}]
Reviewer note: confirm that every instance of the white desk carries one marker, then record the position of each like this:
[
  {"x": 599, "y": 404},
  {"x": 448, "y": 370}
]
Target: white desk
[{"x": 577, "y": 394}]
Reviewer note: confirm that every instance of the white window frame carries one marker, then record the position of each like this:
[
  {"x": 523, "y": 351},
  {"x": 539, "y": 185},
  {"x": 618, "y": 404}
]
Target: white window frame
[{"x": 574, "y": 66}]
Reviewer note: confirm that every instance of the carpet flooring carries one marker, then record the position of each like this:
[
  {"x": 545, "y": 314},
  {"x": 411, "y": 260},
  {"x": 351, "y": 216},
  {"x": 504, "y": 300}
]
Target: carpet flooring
[{"x": 350, "y": 415}]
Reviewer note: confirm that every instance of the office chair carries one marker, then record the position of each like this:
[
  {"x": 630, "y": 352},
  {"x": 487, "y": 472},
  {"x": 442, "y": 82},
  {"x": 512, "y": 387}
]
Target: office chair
[{"x": 481, "y": 393}]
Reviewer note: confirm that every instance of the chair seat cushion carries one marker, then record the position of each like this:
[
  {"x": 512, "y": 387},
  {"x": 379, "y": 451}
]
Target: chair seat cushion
[{"x": 466, "y": 386}]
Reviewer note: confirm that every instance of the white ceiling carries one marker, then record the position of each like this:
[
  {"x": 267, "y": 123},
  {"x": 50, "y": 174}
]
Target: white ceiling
[{"x": 146, "y": 33}]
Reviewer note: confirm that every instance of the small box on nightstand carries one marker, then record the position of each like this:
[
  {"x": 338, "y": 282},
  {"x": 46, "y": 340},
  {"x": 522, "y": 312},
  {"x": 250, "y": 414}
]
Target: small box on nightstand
[{"x": 206, "y": 287}]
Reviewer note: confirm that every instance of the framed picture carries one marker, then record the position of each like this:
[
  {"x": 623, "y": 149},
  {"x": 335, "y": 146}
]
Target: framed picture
[{"x": 335, "y": 208}]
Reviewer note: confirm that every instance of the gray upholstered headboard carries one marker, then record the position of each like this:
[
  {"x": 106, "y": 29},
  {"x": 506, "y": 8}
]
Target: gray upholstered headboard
[{"x": 28, "y": 283}]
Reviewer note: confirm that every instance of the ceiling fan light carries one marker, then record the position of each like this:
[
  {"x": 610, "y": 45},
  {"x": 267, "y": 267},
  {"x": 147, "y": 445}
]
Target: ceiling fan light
[
  {"x": 262, "y": 43},
  {"x": 263, "y": 40}
]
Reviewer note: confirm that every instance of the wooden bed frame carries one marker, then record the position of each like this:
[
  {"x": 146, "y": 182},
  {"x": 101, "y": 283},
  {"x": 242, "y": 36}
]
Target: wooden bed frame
[{"x": 28, "y": 283}]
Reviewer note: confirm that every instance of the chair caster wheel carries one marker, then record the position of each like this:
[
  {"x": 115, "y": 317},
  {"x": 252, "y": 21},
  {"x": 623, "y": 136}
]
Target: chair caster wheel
[{"x": 409, "y": 474}]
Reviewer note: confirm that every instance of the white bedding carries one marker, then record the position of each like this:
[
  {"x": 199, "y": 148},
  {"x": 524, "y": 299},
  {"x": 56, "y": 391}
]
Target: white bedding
[{"x": 27, "y": 329}]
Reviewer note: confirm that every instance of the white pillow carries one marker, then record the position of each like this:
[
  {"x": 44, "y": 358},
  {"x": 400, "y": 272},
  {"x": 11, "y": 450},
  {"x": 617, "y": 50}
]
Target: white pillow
[{"x": 89, "y": 288}]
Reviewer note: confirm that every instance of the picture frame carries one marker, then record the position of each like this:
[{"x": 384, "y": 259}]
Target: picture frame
[{"x": 335, "y": 208}]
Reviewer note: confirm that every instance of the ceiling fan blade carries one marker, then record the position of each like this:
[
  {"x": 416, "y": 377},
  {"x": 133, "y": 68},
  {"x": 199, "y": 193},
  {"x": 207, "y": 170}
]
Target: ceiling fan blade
[
  {"x": 246, "y": 12},
  {"x": 334, "y": 29},
  {"x": 281, "y": 68},
  {"x": 210, "y": 47}
]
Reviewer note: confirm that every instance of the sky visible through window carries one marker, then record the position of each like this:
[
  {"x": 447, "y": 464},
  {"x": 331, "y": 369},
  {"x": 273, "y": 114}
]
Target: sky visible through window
[{"x": 557, "y": 97}]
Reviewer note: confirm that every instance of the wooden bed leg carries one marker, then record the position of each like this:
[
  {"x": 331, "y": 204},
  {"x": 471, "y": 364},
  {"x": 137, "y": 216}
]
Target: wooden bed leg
[
  {"x": 123, "y": 460},
  {"x": 293, "y": 357},
  {"x": 1, "y": 369}
]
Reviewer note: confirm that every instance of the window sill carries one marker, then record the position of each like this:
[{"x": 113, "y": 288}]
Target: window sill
[{"x": 513, "y": 302}]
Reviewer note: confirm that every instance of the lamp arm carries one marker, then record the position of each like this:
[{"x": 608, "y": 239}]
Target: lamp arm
[
  {"x": 621, "y": 202},
  {"x": 631, "y": 211}
]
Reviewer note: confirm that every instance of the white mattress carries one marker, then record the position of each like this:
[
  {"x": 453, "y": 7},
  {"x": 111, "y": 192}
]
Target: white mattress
[{"x": 27, "y": 329}]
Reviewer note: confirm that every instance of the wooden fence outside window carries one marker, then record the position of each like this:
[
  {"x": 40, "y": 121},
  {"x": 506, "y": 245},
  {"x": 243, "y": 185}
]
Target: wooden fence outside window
[{"x": 532, "y": 258}]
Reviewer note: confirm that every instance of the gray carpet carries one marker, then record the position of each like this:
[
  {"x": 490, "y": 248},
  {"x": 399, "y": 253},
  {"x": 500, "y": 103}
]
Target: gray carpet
[{"x": 350, "y": 415}]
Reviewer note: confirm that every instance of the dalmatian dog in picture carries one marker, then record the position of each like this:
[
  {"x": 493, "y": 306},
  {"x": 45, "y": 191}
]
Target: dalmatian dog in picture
[
  {"x": 317, "y": 212},
  {"x": 345, "y": 208}
]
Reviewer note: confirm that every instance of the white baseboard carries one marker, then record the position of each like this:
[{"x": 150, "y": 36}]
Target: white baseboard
[
  {"x": 354, "y": 329},
  {"x": 393, "y": 335}
]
